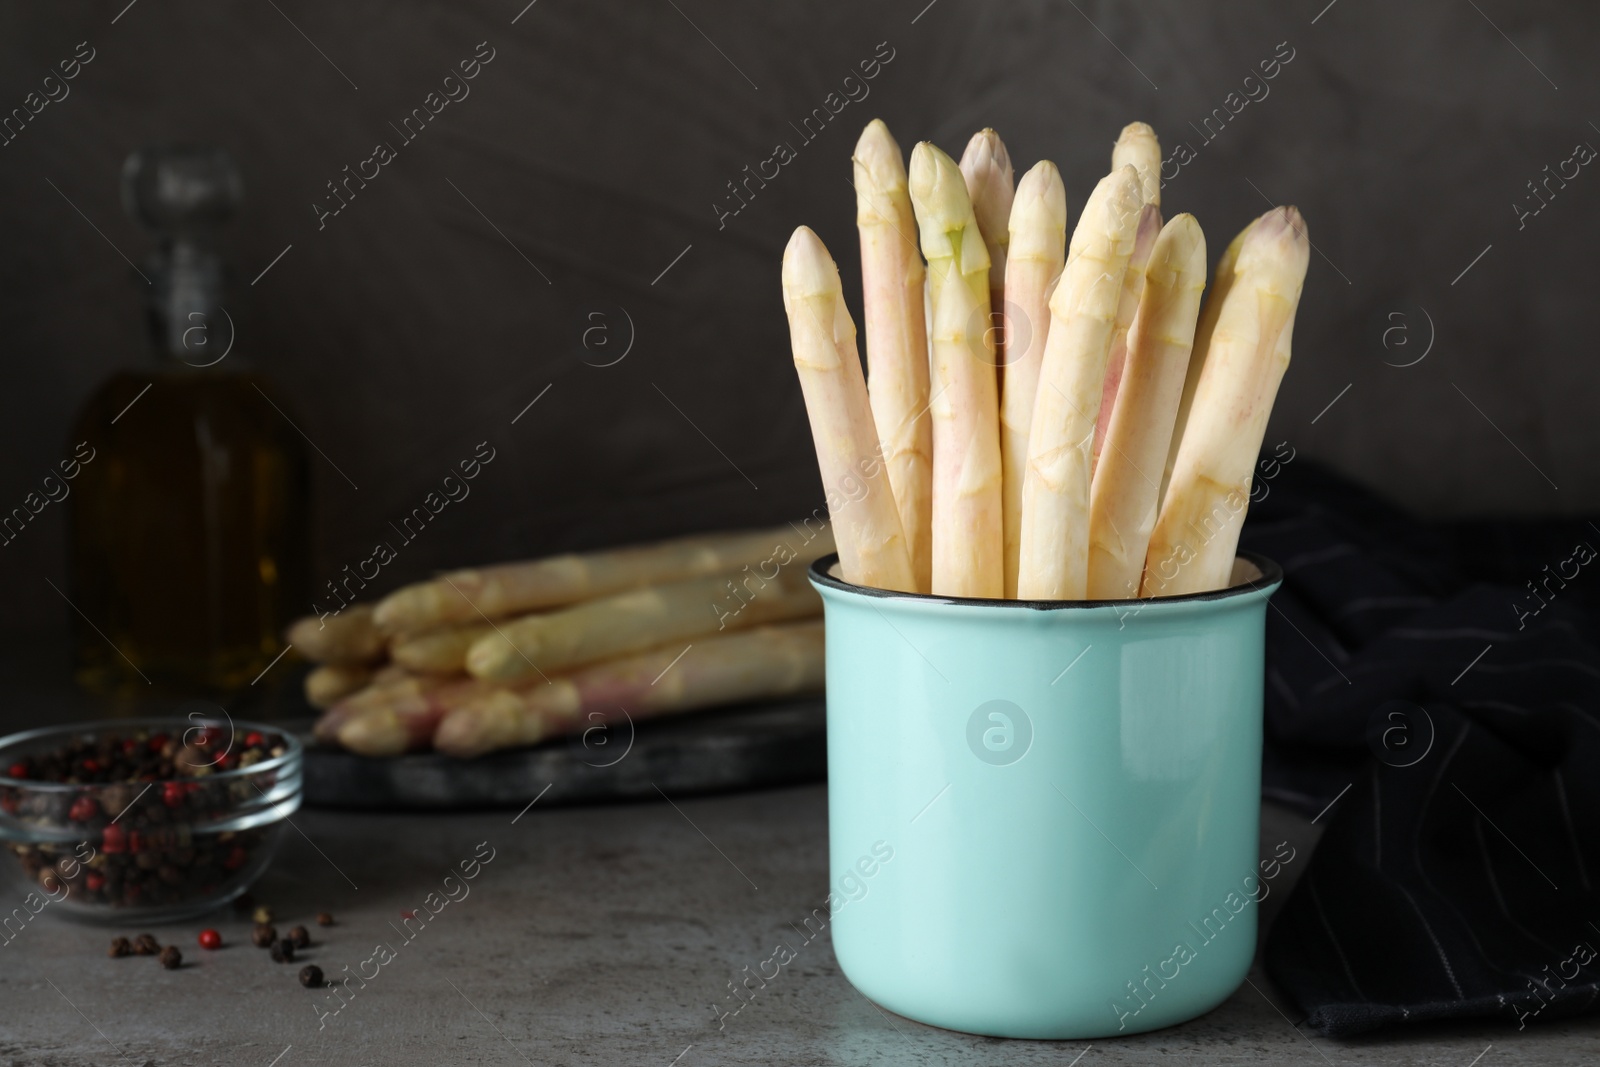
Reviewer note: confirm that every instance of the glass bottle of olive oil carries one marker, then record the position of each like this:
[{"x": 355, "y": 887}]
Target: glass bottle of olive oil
[{"x": 189, "y": 527}]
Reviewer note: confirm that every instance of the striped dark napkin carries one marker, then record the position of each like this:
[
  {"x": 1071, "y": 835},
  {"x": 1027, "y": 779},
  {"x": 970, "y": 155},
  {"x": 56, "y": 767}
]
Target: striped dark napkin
[{"x": 1433, "y": 700}]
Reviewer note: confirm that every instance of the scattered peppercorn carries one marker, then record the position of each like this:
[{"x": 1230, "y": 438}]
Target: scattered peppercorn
[
  {"x": 119, "y": 947},
  {"x": 299, "y": 937},
  {"x": 210, "y": 940},
  {"x": 283, "y": 951},
  {"x": 265, "y": 935},
  {"x": 262, "y": 915},
  {"x": 146, "y": 945},
  {"x": 171, "y": 958},
  {"x": 311, "y": 976},
  {"x": 324, "y": 919}
]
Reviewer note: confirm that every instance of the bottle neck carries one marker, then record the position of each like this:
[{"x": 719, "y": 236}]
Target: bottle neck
[{"x": 184, "y": 311}]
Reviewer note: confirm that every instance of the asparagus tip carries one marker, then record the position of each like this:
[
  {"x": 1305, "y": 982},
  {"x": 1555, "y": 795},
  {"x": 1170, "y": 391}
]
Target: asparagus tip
[
  {"x": 808, "y": 270},
  {"x": 1281, "y": 232},
  {"x": 1040, "y": 208},
  {"x": 986, "y": 149}
]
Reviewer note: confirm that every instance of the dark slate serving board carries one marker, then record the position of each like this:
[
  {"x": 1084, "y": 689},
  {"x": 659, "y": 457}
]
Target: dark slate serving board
[{"x": 747, "y": 746}]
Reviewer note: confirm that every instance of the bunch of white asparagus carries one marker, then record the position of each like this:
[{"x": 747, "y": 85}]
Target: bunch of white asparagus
[
  {"x": 1080, "y": 451},
  {"x": 509, "y": 655}
]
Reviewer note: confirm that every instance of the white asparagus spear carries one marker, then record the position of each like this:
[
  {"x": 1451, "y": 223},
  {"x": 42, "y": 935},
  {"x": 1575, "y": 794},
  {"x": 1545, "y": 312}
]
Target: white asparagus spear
[
  {"x": 437, "y": 652},
  {"x": 1137, "y": 145},
  {"x": 1126, "y": 488},
  {"x": 1144, "y": 240},
  {"x": 328, "y": 684},
  {"x": 537, "y": 646},
  {"x": 1033, "y": 263},
  {"x": 861, "y": 504},
  {"x": 968, "y": 533},
  {"x": 348, "y": 638},
  {"x": 892, "y": 278},
  {"x": 766, "y": 662},
  {"x": 986, "y": 167},
  {"x": 469, "y": 596},
  {"x": 1221, "y": 282},
  {"x": 1053, "y": 558},
  {"x": 1196, "y": 535}
]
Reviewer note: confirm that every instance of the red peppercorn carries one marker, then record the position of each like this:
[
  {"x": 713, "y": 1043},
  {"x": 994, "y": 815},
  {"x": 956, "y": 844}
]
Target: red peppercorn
[
  {"x": 94, "y": 880},
  {"x": 158, "y": 742},
  {"x": 252, "y": 739},
  {"x": 210, "y": 939},
  {"x": 83, "y": 809},
  {"x": 236, "y": 858},
  {"x": 135, "y": 841},
  {"x": 91, "y": 766},
  {"x": 112, "y": 839},
  {"x": 129, "y": 747},
  {"x": 172, "y": 794},
  {"x": 17, "y": 770}
]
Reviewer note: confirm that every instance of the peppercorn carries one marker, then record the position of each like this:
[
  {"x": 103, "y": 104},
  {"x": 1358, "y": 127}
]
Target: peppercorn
[
  {"x": 265, "y": 935},
  {"x": 146, "y": 945},
  {"x": 283, "y": 951},
  {"x": 324, "y": 919},
  {"x": 311, "y": 976},
  {"x": 119, "y": 947},
  {"x": 171, "y": 958},
  {"x": 210, "y": 939},
  {"x": 300, "y": 937},
  {"x": 263, "y": 914}
]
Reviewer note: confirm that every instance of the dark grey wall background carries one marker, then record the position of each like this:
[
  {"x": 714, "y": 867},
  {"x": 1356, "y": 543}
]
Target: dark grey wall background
[{"x": 590, "y": 153}]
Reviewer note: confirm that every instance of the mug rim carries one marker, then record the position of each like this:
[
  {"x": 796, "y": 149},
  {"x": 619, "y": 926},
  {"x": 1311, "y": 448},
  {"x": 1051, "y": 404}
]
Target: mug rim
[{"x": 1271, "y": 576}]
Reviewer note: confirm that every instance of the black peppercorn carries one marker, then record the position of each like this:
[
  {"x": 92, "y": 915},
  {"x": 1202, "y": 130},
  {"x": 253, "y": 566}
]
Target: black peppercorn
[
  {"x": 171, "y": 958},
  {"x": 283, "y": 951},
  {"x": 311, "y": 976},
  {"x": 324, "y": 919},
  {"x": 300, "y": 937},
  {"x": 264, "y": 935},
  {"x": 119, "y": 947},
  {"x": 146, "y": 945}
]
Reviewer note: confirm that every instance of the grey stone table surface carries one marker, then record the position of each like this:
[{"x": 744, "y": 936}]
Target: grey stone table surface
[
  {"x": 600, "y": 935},
  {"x": 595, "y": 935}
]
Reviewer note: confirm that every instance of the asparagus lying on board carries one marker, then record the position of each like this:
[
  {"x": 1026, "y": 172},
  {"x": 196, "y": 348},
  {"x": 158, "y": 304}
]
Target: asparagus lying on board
[
  {"x": 897, "y": 339},
  {"x": 968, "y": 531},
  {"x": 866, "y": 522},
  {"x": 1126, "y": 488},
  {"x": 1036, "y": 252},
  {"x": 1197, "y": 532},
  {"x": 540, "y": 646},
  {"x": 381, "y": 693},
  {"x": 469, "y": 596},
  {"x": 348, "y": 638},
  {"x": 769, "y": 661},
  {"x": 438, "y": 652},
  {"x": 406, "y": 719},
  {"x": 1053, "y": 557},
  {"x": 330, "y": 682}
]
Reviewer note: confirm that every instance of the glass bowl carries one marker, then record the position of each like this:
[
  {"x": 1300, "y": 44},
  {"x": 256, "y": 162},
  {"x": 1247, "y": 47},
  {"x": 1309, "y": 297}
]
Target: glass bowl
[{"x": 191, "y": 820}]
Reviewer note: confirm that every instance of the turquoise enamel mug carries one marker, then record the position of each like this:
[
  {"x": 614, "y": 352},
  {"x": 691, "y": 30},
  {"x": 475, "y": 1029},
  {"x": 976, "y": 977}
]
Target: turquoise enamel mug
[{"x": 1043, "y": 816}]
